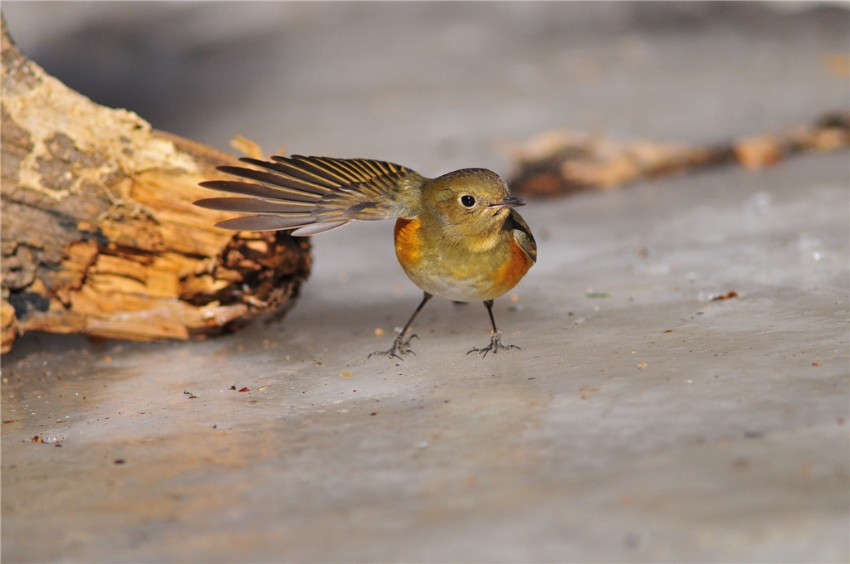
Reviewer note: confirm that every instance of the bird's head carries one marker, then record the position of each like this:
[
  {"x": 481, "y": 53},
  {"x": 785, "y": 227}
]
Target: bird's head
[{"x": 470, "y": 202}]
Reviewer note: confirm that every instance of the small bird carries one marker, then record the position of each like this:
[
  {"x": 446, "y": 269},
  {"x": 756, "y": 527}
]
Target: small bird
[{"x": 457, "y": 236}]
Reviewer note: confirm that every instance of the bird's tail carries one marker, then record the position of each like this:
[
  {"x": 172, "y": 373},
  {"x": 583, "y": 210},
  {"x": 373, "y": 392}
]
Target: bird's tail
[{"x": 310, "y": 195}]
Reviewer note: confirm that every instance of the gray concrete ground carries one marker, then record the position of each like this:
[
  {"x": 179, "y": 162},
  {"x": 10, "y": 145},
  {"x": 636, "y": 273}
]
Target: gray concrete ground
[{"x": 641, "y": 421}]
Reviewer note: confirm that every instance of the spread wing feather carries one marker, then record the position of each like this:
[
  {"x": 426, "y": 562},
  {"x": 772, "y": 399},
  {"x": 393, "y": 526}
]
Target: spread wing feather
[
  {"x": 311, "y": 195},
  {"x": 255, "y": 205},
  {"x": 264, "y": 223}
]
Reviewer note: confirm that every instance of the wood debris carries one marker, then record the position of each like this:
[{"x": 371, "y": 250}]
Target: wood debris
[{"x": 561, "y": 162}]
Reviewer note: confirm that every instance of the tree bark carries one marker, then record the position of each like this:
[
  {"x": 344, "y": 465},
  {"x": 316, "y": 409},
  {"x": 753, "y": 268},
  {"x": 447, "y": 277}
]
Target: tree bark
[{"x": 99, "y": 234}]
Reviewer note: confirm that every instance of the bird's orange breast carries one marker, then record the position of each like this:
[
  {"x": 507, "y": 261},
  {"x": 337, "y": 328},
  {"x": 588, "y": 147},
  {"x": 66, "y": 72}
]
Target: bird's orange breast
[
  {"x": 408, "y": 242},
  {"x": 446, "y": 272},
  {"x": 513, "y": 269}
]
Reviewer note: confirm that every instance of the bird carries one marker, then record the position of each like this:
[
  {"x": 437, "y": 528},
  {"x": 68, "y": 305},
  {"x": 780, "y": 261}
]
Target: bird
[{"x": 457, "y": 236}]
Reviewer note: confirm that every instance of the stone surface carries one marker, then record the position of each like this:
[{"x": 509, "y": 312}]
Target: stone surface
[{"x": 643, "y": 419}]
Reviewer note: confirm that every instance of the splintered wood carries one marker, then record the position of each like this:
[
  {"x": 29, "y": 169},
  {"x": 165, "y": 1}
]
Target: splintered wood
[
  {"x": 560, "y": 162},
  {"x": 99, "y": 234}
]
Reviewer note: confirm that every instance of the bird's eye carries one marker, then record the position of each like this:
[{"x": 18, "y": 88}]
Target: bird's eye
[{"x": 467, "y": 200}]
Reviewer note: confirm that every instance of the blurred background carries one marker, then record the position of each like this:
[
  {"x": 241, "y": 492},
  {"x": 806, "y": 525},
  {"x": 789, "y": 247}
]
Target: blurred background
[
  {"x": 439, "y": 86},
  {"x": 682, "y": 391}
]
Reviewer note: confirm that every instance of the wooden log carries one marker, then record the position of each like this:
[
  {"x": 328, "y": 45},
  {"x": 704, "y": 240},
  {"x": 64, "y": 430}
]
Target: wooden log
[{"x": 99, "y": 234}]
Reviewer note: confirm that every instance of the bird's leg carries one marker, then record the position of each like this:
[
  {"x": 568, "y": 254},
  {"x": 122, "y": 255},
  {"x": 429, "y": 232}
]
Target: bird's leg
[
  {"x": 495, "y": 337},
  {"x": 402, "y": 345}
]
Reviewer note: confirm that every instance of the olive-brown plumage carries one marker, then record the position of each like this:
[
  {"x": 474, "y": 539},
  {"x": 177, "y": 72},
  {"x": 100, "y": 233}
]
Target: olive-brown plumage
[{"x": 457, "y": 237}]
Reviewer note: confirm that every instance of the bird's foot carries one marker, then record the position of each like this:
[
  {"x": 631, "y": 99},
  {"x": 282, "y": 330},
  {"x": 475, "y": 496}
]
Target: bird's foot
[
  {"x": 400, "y": 346},
  {"x": 494, "y": 346}
]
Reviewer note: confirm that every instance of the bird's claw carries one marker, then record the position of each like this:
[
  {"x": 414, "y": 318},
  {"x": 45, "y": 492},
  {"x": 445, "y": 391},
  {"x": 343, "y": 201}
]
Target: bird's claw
[
  {"x": 400, "y": 346},
  {"x": 495, "y": 346}
]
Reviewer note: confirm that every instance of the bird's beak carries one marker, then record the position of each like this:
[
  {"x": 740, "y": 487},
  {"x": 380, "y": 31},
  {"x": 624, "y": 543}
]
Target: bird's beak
[{"x": 508, "y": 202}]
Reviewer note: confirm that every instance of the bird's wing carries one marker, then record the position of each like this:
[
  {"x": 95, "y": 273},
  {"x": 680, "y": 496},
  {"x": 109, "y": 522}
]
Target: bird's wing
[
  {"x": 311, "y": 195},
  {"x": 522, "y": 235}
]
